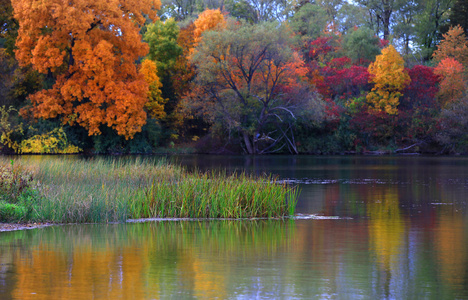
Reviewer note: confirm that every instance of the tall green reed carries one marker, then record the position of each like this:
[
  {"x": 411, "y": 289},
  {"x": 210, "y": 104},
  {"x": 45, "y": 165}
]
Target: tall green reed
[{"x": 109, "y": 190}]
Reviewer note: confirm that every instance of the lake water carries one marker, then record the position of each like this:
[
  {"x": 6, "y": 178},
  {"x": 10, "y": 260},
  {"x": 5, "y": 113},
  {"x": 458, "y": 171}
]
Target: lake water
[{"x": 367, "y": 228}]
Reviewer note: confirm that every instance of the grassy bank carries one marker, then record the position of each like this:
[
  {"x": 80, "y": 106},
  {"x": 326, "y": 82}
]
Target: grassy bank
[{"x": 70, "y": 190}]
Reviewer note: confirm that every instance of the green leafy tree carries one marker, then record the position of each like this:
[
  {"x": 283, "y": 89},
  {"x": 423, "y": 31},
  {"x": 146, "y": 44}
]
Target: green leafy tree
[
  {"x": 361, "y": 45},
  {"x": 309, "y": 21},
  {"x": 428, "y": 23},
  {"x": 381, "y": 14},
  {"x": 458, "y": 15},
  {"x": 351, "y": 16},
  {"x": 404, "y": 32},
  {"x": 162, "y": 40},
  {"x": 16, "y": 83},
  {"x": 332, "y": 8}
]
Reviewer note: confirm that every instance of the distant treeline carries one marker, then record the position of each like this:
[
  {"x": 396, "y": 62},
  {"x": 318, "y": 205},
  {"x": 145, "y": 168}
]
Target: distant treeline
[{"x": 235, "y": 76}]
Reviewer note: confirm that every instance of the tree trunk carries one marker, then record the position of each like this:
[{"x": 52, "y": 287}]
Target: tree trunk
[
  {"x": 247, "y": 142},
  {"x": 387, "y": 13}
]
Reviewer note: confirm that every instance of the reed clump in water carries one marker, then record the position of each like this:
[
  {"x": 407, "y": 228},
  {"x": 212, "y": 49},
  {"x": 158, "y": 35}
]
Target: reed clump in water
[{"x": 72, "y": 190}]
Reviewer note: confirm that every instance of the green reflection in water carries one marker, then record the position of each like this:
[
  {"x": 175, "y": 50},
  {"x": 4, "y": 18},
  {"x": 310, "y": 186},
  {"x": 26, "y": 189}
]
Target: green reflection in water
[
  {"x": 136, "y": 261},
  {"x": 375, "y": 258}
]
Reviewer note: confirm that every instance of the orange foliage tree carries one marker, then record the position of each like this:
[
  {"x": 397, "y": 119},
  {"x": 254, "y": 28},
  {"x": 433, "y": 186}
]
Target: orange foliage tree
[
  {"x": 184, "y": 71},
  {"x": 453, "y": 45},
  {"x": 207, "y": 20},
  {"x": 452, "y": 85},
  {"x": 250, "y": 81},
  {"x": 389, "y": 77},
  {"x": 88, "y": 50}
]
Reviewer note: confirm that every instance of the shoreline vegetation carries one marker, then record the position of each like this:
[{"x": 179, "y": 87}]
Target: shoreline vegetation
[{"x": 102, "y": 190}]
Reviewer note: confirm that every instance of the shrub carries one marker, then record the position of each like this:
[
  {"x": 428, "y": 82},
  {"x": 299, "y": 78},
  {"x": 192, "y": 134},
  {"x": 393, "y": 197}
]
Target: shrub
[{"x": 10, "y": 212}]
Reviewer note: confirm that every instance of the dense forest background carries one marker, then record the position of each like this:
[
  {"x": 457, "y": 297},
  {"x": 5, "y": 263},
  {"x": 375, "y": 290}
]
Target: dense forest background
[{"x": 234, "y": 76}]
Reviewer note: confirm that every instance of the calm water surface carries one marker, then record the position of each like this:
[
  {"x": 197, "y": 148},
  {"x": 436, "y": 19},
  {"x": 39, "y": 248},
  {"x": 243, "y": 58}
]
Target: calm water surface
[{"x": 368, "y": 228}]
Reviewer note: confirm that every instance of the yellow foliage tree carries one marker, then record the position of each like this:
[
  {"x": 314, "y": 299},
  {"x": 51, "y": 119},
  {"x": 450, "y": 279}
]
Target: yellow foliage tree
[
  {"x": 389, "y": 77},
  {"x": 155, "y": 104},
  {"x": 88, "y": 49}
]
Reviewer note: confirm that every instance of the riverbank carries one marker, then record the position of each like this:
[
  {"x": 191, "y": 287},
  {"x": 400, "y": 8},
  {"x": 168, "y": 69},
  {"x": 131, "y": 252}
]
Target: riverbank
[{"x": 22, "y": 226}]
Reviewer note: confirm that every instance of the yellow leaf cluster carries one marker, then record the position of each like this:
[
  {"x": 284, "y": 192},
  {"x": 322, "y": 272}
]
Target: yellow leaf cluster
[
  {"x": 389, "y": 77},
  {"x": 90, "y": 48},
  {"x": 54, "y": 142},
  {"x": 155, "y": 104},
  {"x": 8, "y": 130}
]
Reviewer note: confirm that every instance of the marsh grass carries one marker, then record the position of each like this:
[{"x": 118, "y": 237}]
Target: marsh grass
[{"x": 72, "y": 190}]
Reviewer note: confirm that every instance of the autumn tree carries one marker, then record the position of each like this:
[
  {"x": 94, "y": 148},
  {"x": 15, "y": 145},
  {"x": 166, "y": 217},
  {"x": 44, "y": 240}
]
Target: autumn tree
[
  {"x": 250, "y": 81},
  {"x": 155, "y": 104},
  {"x": 207, "y": 20},
  {"x": 88, "y": 52},
  {"x": 389, "y": 77},
  {"x": 422, "y": 90},
  {"x": 452, "y": 85},
  {"x": 454, "y": 45},
  {"x": 184, "y": 71}
]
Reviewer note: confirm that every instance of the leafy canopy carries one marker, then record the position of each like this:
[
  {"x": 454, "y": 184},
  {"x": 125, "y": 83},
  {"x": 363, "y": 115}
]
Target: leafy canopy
[
  {"x": 451, "y": 86},
  {"x": 453, "y": 45},
  {"x": 88, "y": 51},
  {"x": 162, "y": 40},
  {"x": 389, "y": 77},
  {"x": 207, "y": 20},
  {"x": 250, "y": 78}
]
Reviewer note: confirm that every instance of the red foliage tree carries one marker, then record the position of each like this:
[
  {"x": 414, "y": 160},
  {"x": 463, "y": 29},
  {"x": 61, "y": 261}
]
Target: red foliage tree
[{"x": 422, "y": 90}]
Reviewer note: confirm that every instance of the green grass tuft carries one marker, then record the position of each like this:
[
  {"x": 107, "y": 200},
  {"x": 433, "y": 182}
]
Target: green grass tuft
[{"x": 74, "y": 190}]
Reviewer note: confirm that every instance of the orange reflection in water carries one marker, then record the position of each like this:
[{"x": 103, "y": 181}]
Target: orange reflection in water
[
  {"x": 142, "y": 261},
  {"x": 83, "y": 274},
  {"x": 451, "y": 246}
]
